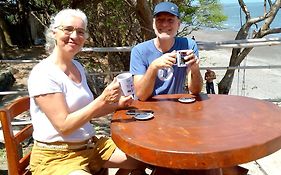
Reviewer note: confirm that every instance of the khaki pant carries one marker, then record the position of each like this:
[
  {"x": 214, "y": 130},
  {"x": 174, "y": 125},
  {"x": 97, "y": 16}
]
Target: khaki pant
[{"x": 56, "y": 161}]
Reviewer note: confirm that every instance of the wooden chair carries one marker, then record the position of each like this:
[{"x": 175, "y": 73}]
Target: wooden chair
[{"x": 17, "y": 163}]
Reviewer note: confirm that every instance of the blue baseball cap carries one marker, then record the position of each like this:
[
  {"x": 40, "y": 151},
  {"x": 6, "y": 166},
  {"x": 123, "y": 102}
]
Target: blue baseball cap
[{"x": 166, "y": 7}]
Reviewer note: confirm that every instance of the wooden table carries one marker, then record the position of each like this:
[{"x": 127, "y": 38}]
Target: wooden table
[{"x": 205, "y": 137}]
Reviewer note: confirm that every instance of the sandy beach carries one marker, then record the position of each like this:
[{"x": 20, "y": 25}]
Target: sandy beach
[{"x": 257, "y": 83}]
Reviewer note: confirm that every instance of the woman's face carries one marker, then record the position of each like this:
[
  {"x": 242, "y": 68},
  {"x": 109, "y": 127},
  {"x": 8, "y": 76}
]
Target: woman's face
[
  {"x": 166, "y": 25},
  {"x": 71, "y": 35}
]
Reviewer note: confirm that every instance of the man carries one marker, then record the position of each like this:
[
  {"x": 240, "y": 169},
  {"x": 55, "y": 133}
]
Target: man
[
  {"x": 158, "y": 53},
  {"x": 209, "y": 77}
]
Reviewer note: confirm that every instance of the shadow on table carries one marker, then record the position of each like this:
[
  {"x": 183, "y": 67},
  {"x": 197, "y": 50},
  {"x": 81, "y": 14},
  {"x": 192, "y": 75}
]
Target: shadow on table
[{"x": 131, "y": 119}]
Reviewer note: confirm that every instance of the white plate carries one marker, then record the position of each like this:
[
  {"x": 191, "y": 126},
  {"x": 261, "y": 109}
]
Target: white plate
[
  {"x": 186, "y": 100},
  {"x": 143, "y": 116}
]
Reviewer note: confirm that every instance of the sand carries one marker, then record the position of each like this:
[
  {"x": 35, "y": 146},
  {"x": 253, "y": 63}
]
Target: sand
[{"x": 257, "y": 83}]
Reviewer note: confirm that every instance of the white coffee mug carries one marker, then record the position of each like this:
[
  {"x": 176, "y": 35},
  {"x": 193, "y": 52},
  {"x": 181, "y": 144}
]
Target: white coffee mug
[
  {"x": 126, "y": 82},
  {"x": 180, "y": 58}
]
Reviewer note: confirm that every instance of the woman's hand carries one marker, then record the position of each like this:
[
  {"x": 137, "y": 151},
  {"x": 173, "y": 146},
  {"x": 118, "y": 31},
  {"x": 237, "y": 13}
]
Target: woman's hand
[
  {"x": 125, "y": 101},
  {"x": 112, "y": 95},
  {"x": 112, "y": 92}
]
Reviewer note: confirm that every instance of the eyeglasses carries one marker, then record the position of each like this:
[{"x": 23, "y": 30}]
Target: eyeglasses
[{"x": 68, "y": 30}]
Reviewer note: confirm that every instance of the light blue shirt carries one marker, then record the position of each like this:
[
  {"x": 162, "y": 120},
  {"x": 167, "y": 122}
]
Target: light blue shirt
[{"x": 143, "y": 54}]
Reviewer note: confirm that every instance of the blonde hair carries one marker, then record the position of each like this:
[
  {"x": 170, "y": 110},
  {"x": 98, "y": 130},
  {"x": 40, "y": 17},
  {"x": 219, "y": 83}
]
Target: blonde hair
[{"x": 57, "y": 20}]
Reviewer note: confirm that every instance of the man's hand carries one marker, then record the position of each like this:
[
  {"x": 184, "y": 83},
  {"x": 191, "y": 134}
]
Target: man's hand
[
  {"x": 165, "y": 61},
  {"x": 190, "y": 58},
  {"x": 195, "y": 80}
]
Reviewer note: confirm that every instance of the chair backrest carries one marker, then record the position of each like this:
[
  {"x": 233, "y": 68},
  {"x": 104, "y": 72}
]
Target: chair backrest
[{"x": 17, "y": 163}]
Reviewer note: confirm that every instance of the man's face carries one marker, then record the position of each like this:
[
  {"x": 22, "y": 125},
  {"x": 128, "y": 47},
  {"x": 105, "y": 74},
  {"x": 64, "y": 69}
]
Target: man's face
[{"x": 166, "y": 25}]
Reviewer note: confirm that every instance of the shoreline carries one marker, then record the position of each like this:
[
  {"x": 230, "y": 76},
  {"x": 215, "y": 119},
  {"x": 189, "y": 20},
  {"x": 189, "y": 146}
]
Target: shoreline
[{"x": 256, "y": 83}]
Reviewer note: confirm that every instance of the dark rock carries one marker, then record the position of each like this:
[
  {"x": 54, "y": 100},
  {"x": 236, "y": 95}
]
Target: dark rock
[{"x": 7, "y": 80}]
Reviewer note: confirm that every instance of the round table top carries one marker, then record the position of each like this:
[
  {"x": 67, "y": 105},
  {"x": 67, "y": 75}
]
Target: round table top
[{"x": 214, "y": 131}]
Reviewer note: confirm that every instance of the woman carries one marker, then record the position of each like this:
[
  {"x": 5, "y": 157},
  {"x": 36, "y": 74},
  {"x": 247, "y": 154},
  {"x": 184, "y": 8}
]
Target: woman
[{"x": 62, "y": 106}]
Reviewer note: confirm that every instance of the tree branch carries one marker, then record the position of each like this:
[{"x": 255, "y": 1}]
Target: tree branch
[
  {"x": 272, "y": 31},
  {"x": 245, "y": 9},
  {"x": 270, "y": 16}
]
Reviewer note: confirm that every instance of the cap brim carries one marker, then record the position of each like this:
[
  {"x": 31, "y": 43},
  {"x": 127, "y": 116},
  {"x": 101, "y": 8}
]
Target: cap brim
[{"x": 156, "y": 13}]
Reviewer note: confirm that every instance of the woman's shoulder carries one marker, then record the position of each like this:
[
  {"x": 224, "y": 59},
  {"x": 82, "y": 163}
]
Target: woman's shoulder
[
  {"x": 41, "y": 66},
  {"x": 45, "y": 68}
]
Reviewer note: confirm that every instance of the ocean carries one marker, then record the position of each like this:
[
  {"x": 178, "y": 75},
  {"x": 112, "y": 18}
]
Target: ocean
[{"x": 235, "y": 20}]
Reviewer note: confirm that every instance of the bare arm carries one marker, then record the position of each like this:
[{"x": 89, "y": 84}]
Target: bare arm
[
  {"x": 144, "y": 84},
  {"x": 56, "y": 109},
  {"x": 195, "y": 80}
]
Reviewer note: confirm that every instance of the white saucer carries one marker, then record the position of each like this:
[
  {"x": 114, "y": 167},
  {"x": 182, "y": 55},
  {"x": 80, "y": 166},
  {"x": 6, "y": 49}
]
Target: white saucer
[
  {"x": 186, "y": 100},
  {"x": 143, "y": 116}
]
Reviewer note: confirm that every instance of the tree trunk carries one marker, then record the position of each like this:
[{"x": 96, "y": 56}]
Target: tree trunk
[
  {"x": 144, "y": 17},
  {"x": 225, "y": 84},
  {"x": 25, "y": 40},
  {"x": 7, "y": 38},
  {"x": 2, "y": 44}
]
